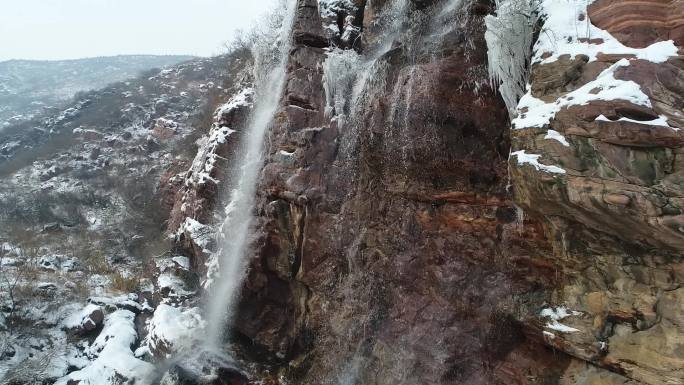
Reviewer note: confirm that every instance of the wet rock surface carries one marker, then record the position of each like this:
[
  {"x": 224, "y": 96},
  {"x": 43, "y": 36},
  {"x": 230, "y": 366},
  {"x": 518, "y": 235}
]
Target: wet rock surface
[{"x": 388, "y": 249}]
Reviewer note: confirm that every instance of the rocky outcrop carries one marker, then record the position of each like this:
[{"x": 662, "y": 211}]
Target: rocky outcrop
[
  {"x": 639, "y": 23},
  {"x": 388, "y": 249},
  {"x": 603, "y": 170}
]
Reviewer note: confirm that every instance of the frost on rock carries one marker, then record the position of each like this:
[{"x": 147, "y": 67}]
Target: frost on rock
[
  {"x": 533, "y": 160},
  {"x": 538, "y": 113},
  {"x": 509, "y": 37},
  {"x": 113, "y": 360},
  {"x": 171, "y": 329}
]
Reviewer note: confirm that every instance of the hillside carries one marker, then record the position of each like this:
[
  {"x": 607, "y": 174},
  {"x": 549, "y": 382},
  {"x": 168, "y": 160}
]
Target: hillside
[{"x": 30, "y": 87}]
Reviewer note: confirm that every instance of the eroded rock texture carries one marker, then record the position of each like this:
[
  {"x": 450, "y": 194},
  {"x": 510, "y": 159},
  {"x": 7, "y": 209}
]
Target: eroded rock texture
[
  {"x": 614, "y": 215},
  {"x": 639, "y": 23},
  {"x": 388, "y": 249}
]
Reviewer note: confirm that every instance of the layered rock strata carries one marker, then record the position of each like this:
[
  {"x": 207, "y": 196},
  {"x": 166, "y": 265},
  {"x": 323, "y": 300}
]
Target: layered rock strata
[{"x": 597, "y": 153}]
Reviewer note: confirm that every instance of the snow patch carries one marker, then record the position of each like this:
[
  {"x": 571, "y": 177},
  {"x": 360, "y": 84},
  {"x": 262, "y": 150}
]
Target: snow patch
[
  {"x": 533, "y": 112},
  {"x": 80, "y": 318},
  {"x": 112, "y": 355},
  {"x": 175, "y": 285},
  {"x": 201, "y": 234},
  {"x": 556, "y": 315},
  {"x": 173, "y": 328},
  {"x": 533, "y": 160},
  {"x": 242, "y": 99},
  {"x": 555, "y": 135},
  {"x": 660, "y": 121}
]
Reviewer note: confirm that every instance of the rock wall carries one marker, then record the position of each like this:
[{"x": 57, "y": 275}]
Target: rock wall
[
  {"x": 389, "y": 250},
  {"x": 604, "y": 173},
  {"x": 640, "y": 23},
  {"x": 408, "y": 233}
]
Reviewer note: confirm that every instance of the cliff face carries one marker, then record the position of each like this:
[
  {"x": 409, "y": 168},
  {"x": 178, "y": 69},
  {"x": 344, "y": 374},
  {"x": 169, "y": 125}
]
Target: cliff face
[
  {"x": 388, "y": 249},
  {"x": 612, "y": 207}
]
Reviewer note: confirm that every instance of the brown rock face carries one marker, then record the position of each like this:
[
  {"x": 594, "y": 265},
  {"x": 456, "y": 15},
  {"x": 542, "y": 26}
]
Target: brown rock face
[
  {"x": 388, "y": 249},
  {"x": 615, "y": 218},
  {"x": 639, "y": 23}
]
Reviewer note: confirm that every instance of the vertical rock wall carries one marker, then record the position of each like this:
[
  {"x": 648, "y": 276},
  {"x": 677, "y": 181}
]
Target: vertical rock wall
[
  {"x": 604, "y": 172},
  {"x": 388, "y": 249},
  {"x": 388, "y": 246}
]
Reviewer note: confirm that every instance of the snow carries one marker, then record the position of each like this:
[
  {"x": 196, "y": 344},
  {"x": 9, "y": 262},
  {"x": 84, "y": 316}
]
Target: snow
[
  {"x": 201, "y": 234},
  {"x": 242, "y": 99},
  {"x": 173, "y": 328},
  {"x": 286, "y": 153},
  {"x": 533, "y": 160},
  {"x": 57, "y": 262},
  {"x": 537, "y": 113},
  {"x": 565, "y": 34},
  {"x": 126, "y": 301},
  {"x": 113, "y": 355},
  {"x": 556, "y": 315},
  {"x": 206, "y": 158},
  {"x": 174, "y": 284},
  {"x": 557, "y": 326},
  {"x": 182, "y": 261},
  {"x": 329, "y": 8},
  {"x": 81, "y": 317},
  {"x": 555, "y": 135},
  {"x": 660, "y": 121}
]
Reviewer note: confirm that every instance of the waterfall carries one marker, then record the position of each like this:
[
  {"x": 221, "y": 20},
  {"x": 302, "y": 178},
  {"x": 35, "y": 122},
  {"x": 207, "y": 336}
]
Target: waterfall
[
  {"x": 350, "y": 79},
  {"x": 271, "y": 58}
]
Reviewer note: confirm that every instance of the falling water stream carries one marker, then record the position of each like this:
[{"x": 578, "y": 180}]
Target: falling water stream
[
  {"x": 351, "y": 80},
  {"x": 235, "y": 231},
  {"x": 270, "y": 49}
]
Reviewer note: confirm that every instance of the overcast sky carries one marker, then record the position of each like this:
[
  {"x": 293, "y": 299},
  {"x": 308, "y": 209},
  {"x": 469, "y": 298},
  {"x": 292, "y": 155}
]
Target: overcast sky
[{"x": 69, "y": 29}]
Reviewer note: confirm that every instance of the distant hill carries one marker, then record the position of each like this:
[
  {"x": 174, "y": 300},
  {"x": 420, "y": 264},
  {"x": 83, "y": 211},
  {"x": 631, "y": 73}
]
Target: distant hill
[{"x": 28, "y": 87}]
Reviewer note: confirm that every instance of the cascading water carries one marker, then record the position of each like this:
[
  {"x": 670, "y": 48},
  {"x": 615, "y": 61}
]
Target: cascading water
[
  {"x": 270, "y": 75},
  {"x": 404, "y": 36}
]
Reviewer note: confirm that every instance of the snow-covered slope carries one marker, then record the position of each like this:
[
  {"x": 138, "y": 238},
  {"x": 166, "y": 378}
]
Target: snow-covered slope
[{"x": 28, "y": 88}]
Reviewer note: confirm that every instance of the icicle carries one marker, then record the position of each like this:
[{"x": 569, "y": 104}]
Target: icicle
[{"x": 509, "y": 47}]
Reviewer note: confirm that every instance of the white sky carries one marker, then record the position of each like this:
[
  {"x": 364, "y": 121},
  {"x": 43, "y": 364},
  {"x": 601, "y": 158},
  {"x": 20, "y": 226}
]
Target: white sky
[{"x": 69, "y": 29}]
